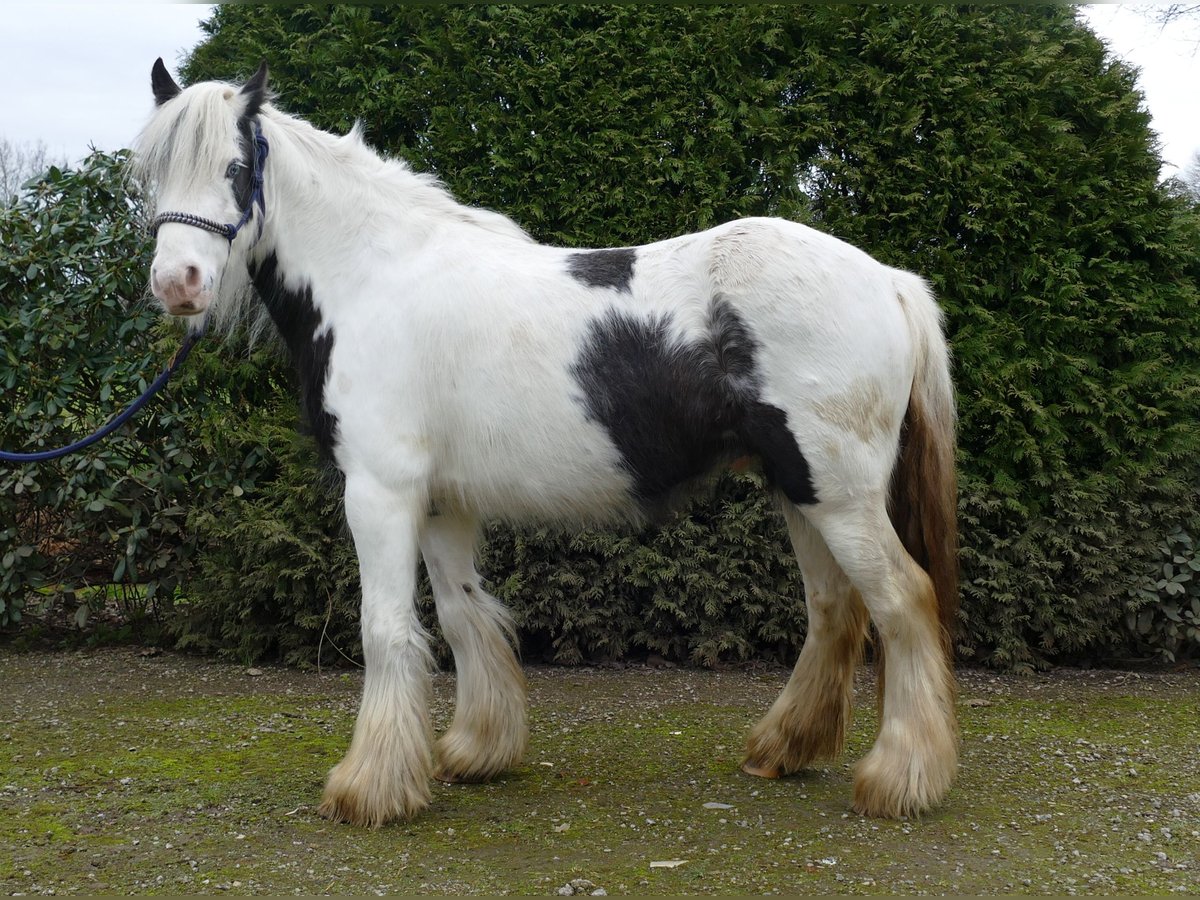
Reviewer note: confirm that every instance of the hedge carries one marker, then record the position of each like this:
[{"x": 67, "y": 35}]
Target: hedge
[{"x": 999, "y": 151}]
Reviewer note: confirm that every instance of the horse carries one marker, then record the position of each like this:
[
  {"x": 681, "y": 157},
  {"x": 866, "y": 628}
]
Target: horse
[{"x": 456, "y": 371}]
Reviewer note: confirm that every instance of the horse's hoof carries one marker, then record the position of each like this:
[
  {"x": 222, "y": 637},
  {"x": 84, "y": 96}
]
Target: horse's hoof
[{"x": 761, "y": 771}]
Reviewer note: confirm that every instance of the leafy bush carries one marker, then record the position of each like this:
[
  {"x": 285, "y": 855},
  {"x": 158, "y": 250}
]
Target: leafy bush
[
  {"x": 999, "y": 151},
  {"x": 276, "y": 574},
  {"x": 276, "y": 577},
  {"x": 78, "y": 343},
  {"x": 719, "y": 583},
  {"x": 1164, "y": 614}
]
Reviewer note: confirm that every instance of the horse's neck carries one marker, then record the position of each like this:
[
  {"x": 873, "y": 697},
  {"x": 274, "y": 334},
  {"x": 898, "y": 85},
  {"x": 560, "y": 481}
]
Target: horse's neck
[{"x": 329, "y": 209}]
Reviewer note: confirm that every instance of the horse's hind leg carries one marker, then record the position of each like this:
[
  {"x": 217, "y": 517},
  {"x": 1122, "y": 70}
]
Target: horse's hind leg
[
  {"x": 913, "y": 761},
  {"x": 489, "y": 730},
  {"x": 808, "y": 721}
]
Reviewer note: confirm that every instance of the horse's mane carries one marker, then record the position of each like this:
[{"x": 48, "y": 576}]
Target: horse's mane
[
  {"x": 190, "y": 137},
  {"x": 387, "y": 179}
]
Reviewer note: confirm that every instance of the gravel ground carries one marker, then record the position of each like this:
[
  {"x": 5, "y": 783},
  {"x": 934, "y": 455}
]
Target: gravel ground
[{"x": 131, "y": 772}]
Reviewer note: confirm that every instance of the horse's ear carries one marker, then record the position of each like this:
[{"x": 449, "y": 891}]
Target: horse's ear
[
  {"x": 163, "y": 84},
  {"x": 255, "y": 91}
]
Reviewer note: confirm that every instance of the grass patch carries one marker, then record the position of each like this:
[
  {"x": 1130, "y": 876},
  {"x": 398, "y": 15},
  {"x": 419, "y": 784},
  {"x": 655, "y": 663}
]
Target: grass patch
[{"x": 176, "y": 775}]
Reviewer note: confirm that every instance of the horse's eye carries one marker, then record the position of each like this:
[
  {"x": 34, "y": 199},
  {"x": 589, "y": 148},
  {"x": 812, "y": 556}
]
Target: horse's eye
[{"x": 232, "y": 171}]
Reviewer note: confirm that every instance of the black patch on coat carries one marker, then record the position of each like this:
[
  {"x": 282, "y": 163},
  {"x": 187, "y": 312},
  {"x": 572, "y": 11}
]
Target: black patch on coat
[
  {"x": 676, "y": 411},
  {"x": 243, "y": 182},
  {"x": 604, "y": 268},
  {"x": 298, "y": 321}
]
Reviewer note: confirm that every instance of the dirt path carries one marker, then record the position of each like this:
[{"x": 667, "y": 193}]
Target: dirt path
[{"x": 123, "y": 773}]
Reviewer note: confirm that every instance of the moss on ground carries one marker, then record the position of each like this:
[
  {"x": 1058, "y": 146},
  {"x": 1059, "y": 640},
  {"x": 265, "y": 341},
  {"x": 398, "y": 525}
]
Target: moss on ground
[{"x": 167, "y": 774}]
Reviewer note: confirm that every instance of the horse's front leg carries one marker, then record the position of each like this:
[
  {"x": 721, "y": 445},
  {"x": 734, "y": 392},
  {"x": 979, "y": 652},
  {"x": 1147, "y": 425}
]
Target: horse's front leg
[{"x": 385, "y": 774}]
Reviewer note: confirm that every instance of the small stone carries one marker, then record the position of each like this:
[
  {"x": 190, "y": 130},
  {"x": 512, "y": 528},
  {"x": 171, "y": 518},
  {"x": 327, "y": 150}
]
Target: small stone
[{"x": 576, "y": 886}]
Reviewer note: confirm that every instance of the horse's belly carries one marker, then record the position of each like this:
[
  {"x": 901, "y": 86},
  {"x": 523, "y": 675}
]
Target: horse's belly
[
  {"x": 529, "y": 455},
  {"x": 533, "y": 483}
]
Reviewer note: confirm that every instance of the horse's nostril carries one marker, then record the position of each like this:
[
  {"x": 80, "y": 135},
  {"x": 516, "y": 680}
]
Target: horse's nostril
[{"x": 191, "y": 277}]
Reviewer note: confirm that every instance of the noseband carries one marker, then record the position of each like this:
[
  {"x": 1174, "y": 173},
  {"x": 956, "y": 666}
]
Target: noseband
[{"x": 227, "y": 231}]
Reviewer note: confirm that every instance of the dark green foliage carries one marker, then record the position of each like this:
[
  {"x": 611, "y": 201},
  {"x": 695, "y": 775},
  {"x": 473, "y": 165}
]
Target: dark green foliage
[
  {"x": 1164, "y": 613},
  {"x": 718, "y": 584},
  {"x": 612, "y": 125},
  {"x": 1021, "y": 181},
  {"x": 79, "y": 339},
  {"x": 995, "y": 150},
  {"x": 277, "y": 576},
  {"x": 78, "y": 344}
]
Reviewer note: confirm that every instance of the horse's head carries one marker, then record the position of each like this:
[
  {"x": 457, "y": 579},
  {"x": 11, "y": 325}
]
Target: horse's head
[{"x": 201, "y": 158}]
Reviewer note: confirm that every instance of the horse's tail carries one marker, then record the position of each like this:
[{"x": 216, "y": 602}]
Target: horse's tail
[{"x": 924, "y": 494}]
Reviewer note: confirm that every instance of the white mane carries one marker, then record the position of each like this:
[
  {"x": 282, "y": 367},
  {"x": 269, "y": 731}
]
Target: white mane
[{"x": 365, "y": 174}]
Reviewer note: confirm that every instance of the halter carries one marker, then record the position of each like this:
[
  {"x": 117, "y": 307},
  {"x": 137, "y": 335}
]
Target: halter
[{"x": 227, "y": 231}]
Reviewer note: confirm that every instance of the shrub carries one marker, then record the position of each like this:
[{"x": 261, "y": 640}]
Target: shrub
[
  {"x": 999, "y": 151},
  {"x": 79, "y": 342},
  {"x": 1164, "y": 613}
]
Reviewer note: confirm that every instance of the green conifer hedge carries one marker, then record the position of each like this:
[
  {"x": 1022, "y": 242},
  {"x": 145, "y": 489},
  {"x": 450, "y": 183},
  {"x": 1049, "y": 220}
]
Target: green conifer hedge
[{"x": 998, "y": 151}]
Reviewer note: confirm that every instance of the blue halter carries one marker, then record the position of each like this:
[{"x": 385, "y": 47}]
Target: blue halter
[{"x": 228, "y": 231}]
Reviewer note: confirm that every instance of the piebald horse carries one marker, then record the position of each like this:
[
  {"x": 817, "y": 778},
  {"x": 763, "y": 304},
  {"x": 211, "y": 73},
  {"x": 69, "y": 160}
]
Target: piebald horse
[{"x": 457, "y": 371}]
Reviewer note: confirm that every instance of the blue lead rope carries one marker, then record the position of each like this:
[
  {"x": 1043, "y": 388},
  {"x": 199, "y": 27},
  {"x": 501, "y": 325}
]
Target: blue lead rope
[{"x": 188, "y": 343}]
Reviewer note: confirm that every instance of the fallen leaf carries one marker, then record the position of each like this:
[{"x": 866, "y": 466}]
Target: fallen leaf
[{"x": 667, "y": 863}]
